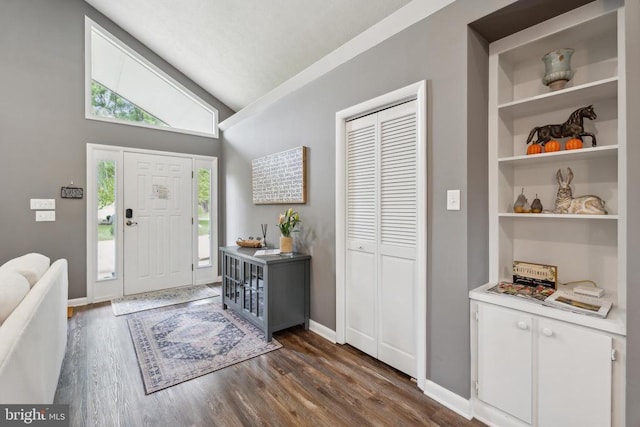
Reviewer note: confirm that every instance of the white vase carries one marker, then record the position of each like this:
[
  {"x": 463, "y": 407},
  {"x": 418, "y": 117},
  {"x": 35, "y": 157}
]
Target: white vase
[{"x": 557, "y": 68}]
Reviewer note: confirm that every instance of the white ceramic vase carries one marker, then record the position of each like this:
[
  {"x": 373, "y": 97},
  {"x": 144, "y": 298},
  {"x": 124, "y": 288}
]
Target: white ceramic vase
[{"x": 558, "y": 70}]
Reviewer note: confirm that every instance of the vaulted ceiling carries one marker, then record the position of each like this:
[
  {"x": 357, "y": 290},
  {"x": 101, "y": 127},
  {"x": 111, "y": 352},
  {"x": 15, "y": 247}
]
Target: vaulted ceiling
[{"x": 239, "y": 50}]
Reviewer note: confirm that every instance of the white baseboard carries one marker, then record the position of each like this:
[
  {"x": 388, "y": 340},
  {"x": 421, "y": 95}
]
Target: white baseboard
[
  {"x": 205, "y": 281},
  {"x": 323, "y": 331},
  {"x": 494, "y": 417},
  {"x": 456, "y": 403},
  {"x": 77, "y": 302}
]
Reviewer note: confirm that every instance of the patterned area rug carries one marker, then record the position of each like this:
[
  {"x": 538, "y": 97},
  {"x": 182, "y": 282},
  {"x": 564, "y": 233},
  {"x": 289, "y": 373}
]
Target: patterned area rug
[
  {"x": 178, "y": 345},
  {"x": 149, "y": 300}
]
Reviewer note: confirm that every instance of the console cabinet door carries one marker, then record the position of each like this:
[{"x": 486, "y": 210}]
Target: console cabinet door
[
  {"x": 574, "y": 376},
  {"x": 505, "y": 349}
]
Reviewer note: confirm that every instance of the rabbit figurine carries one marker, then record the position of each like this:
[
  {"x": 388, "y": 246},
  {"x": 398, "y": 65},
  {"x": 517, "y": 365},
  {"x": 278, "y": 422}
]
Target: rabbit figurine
[{"x": 567, "y": 204}]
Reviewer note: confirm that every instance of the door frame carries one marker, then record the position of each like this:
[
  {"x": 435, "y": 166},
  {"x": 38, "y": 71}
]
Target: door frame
[
  {"x": 417, "y": 91},
  {"x": 96, "y": 289}
]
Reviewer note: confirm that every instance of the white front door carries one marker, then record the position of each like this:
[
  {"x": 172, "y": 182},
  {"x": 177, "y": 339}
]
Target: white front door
[{"x": 157, "y": 222}]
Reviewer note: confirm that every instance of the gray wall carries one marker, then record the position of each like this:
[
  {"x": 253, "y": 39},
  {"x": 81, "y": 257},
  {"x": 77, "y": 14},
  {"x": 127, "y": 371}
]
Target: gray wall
[
  {"x": 453, "y": 59},
  {"x": 438, "y": 49},
  {"x": 43, "y": 132},
  {"x": 632, "y": 15}
]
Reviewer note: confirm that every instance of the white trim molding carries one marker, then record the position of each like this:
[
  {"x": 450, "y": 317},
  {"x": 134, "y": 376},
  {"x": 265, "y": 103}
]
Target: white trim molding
[
  {"x": 323, "y": 331},
  {"x": 456, "y": 403},
  {"x": 492, "y": 416},
  {"x": 403, "y": 18},
  {"x": 77, "y": 302},
  {"x": 417, "y": 91}
]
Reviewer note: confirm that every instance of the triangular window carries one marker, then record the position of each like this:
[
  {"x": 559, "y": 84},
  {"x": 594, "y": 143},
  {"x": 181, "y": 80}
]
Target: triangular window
[
  {"x": 123, "y": 87},
  {"x": 106, "y": 103}
]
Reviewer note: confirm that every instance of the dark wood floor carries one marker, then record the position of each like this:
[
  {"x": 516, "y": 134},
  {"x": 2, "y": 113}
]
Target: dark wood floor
[{"x": 309, "y": 382}]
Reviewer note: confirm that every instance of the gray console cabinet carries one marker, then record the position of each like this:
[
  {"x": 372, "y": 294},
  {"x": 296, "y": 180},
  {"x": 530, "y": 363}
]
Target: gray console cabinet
[{"x": 271, "y": 292}]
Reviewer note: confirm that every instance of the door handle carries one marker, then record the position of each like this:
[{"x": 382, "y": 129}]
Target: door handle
[{"x": 131, "y": 223}]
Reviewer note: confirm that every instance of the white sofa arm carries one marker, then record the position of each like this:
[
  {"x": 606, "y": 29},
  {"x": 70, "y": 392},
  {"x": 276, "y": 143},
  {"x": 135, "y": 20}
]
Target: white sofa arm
[{"x": 33, "y": 341}]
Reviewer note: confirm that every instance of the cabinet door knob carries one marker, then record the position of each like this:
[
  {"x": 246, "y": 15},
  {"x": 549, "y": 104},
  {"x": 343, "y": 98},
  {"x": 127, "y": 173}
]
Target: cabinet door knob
[
  {"x": 523, "y": 325},
  {"x": 547, "y": 332}
]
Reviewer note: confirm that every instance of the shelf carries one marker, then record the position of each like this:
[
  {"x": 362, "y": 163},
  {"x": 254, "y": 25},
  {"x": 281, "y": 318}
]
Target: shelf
[
  {"x": 518, "y": 103},
  {"x": 581, "y": 95},
  {"x": 559, "y": 31},
  {"x": 564, "y": 155},
  {"x": 556, "y": 216},
  {"x": 613, "y": 323}
]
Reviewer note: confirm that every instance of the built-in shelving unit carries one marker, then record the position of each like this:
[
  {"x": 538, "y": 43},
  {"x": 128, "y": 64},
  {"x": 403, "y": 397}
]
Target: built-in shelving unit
[{"x": 583, "y": 247}]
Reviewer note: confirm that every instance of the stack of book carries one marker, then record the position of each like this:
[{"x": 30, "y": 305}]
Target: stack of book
[{"x": 582, "y": 304}]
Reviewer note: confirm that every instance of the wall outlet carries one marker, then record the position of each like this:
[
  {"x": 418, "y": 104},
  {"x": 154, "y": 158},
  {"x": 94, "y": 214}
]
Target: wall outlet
[
  {"x": 37, "y": 204},
  {"x": 453, "y": 200},
  {"x": 45, "y": 216}
]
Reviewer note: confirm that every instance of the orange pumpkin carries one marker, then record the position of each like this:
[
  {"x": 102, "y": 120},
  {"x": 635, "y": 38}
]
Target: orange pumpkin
[
  {"x": 551, "y": 146},
  {"x": 534, "y": 149},
  {"x": 573, "y": 144}
]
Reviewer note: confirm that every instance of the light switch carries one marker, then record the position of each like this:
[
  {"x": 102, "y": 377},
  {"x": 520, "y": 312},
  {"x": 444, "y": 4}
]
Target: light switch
[
  {"x": 453, "y": 200},
  {"x": 45, "y": 216},
  {"x": 43, "y": 204}
]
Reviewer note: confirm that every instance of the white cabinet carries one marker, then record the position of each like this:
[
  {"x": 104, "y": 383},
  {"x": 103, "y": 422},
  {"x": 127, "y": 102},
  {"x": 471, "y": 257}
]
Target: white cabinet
[
  {"x": 505, "y": 352},
  {"x": 566, "y": 373},
  {"x": 542, "y": 371},
  {"x": 574, "y": 375}
]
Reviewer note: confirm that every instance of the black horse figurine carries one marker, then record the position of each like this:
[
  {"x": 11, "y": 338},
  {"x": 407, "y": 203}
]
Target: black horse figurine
[{"x": 573, "y": 127}]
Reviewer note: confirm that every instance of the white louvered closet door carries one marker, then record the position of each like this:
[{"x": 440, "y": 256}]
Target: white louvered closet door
[
  {"x": 397, "y": 242},
  {"x": 381, "y": 235},
  {"x": 361, "y": 289}
]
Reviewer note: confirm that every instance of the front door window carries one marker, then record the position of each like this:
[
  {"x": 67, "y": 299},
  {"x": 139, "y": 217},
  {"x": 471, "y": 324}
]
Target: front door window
[
  {"x": 204, "y": 217},
  {"x": 106, "y": 224}
]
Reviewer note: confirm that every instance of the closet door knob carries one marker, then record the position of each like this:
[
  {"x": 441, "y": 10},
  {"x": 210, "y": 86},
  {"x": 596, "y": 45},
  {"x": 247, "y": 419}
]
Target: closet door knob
[{"x": 547, "y": 332}]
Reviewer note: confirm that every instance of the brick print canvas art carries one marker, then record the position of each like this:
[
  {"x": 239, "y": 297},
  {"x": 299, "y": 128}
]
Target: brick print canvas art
[{"x": 280, "y": 177}]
